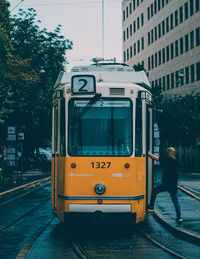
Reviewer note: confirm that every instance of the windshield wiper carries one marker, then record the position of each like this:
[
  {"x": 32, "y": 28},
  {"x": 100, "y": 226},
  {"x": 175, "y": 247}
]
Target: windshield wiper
[{"x": 86, "y": 108}]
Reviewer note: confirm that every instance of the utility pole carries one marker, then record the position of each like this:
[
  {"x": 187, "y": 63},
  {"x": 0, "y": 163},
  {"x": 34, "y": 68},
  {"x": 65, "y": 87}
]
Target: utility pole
[{"x": 102, "y": 28}]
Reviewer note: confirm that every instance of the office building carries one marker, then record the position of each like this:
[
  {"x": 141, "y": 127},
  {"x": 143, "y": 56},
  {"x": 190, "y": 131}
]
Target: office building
[{"x": 164, "y": 36}]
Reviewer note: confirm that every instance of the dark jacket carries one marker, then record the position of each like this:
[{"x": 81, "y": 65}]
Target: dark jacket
[{"x": 171, "y": 168}]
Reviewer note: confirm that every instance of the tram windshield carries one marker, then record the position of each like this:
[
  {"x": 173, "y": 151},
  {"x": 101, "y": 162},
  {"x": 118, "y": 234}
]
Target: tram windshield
[{"x": 104, "y": 129}]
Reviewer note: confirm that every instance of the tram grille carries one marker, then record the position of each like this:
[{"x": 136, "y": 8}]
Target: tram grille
[{"x": 117, "y": 91}]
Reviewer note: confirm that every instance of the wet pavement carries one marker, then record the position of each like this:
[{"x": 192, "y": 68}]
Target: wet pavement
[{"x": 190, "y": 207}]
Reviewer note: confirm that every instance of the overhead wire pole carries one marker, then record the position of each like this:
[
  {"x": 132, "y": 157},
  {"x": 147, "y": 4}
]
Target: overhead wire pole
[{"x": 103, "y": 29}]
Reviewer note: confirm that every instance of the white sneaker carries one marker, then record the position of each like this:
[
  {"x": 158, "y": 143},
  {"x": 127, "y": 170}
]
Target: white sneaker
[{"x": 179, "y": 220}]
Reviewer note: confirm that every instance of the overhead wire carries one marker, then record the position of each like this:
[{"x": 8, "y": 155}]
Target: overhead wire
[
  {"x": 69, "y": 3},
  {"x": 17, "y": 5}
]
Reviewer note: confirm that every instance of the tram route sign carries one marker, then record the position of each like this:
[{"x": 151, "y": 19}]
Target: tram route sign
[{"x": 83, "y": 84}]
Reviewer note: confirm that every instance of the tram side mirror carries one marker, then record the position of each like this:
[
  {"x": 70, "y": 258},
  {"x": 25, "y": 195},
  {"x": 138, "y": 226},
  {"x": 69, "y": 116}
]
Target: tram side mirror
[{"x": 59, "y": 93}]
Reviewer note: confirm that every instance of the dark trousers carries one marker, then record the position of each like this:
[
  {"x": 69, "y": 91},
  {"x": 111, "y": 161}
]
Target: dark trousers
[{"x": 173, "y": 194}]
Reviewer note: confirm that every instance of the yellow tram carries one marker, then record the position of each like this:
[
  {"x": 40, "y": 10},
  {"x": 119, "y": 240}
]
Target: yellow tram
[{"x": 102, "y": 131}]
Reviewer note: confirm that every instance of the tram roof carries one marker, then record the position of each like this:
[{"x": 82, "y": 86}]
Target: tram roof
[{"x": 106, "y": 73}]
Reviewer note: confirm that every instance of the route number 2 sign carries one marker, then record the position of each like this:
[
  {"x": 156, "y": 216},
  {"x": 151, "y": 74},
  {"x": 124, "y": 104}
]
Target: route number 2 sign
[{"x": 83, "y": 84}]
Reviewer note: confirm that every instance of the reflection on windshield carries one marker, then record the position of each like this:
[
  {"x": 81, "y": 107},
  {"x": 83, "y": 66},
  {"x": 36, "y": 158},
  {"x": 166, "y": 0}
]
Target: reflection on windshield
[{"x": 105, "y": 130}]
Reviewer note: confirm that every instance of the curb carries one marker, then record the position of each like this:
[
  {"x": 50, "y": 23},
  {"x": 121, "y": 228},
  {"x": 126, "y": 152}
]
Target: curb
[{"x": 185, "y": 234}]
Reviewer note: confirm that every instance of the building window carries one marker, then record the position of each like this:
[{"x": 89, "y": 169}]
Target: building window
[
  {"x": 124, "y": 15},
  {"x": 163, "y": 3},
  {"x": 159, "y": 83},
  {"x": 198, "y": 71},
  {"x": 167, "y": 53},
  {"x": 163, "y": 83},
  {"x": 156, "y": 34},
  {"x": 130, "y": 8},
  {"x": 192, "y": 73},
  {"x": 138, "y": 2},
  {"x": 191, "y": 39},
  {"x": 187, "y": 75},
  {"x": 124, "y": 35},
  {"x": 127, "y": 54},
  {"x": 133, "y": 5},
  {"x": 159, "y": 5},
  {"x": 181, "y": 46},
  {"x": 151, "y": 10},
  {"x": 167, "y": 24},
  {"x": 149, "y": 63},
  {"x": 186, "y": 10},
  {"x": 148, "y": 13},
  {"x": 138, "y": 23},
  {"x": 149, "y": 38},
  {"x": 134, "y": 47},
  {"x": 152, "y": 36},
  {"x": 163, "y": 27},
  {"x": 176, "y": 17},
  {"x": 124, "y": 56},
  {"x": 181, "y": 14},
  {"x": 159, "y": 57},
  {"x": 127, "y": 33},
  {"x": 198, "y": 36},
  {"x": 142, "y": 43},
  {"x": 152, "y": 61},
  {"x": 177, "y": 78},
  {"x": 156, "y": 59},
  {"x": 172, "y": 50},
  {"x": 171, "y": 21},
  {"x": 127, "y": 12},
  {"x": 191, "y": 7},
  {"x": 186, "y": 43},
  {"x": 159, "y": 30},
  {"x": 163, "y": 55},
  {"x": 168, "y": 82},
  {"x": 155, "y": 7},
  {"x": 197, "y": 5},
  {"x": 138, "y": 46},
  {"x": 142, "y": 19},
  {"x": 131, "y": 51},
  {"x": 172, "y": 80},
  {"x": 176, "y": 48},
  {"x": 134, "y": 26},
  {"x": 131, "y": 29}
]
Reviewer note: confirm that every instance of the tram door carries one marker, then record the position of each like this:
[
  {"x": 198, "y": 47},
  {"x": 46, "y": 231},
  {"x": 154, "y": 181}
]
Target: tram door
[
  {"x": 149, "y": 148},
  {"x": 55, "y": 152}
]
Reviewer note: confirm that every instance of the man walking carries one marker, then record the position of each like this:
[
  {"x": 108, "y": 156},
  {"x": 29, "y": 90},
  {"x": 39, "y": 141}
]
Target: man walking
[{"x": 171, "y": 168}]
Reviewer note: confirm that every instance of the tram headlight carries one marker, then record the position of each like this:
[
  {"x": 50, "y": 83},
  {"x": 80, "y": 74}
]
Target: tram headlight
[
  {"x": 127, "y": 165},
  {"x": 100, "y": 188},
  {"x": 73, "y": 165}
]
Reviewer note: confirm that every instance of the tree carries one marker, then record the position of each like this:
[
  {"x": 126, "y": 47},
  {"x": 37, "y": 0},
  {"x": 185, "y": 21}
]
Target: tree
[
  {"x": 180, "y": 120},
  {"x": 32, "y": 50}
]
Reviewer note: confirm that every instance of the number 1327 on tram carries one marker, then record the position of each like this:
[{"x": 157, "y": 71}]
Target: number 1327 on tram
[{"x": 102, "y": 131}]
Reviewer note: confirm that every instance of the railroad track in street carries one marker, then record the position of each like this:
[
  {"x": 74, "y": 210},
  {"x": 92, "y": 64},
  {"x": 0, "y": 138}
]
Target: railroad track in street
[
  {"x": 189, "y": 191},
  {"x": 7, "y": 227},
  {"x": 22, "y": 190}
]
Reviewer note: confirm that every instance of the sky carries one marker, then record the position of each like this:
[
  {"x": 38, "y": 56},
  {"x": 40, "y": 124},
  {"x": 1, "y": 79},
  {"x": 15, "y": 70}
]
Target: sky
[{"x": 81, "y": 22}]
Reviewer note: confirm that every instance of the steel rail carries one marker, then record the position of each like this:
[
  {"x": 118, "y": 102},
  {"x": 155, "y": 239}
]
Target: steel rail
[
  {"x": 3, "y": 229},
  {"x": 182, "y": 233},
  {"x": 24, "y": 186},
  {"x": 189, "y": 191},
  {"x": 27, "y": 246},
  {"x": 79, "y": 250},
  {"x": 166, "y": 249}
]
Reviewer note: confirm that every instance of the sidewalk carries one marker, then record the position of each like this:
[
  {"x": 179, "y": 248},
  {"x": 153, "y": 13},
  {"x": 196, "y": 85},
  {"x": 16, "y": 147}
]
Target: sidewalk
[
  {"x": 28, "y": 176},
  {"x": 190, "y": 207}
]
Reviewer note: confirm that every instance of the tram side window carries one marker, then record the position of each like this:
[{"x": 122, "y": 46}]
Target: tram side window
[
  {"x": 62, "y": 129},
  {"x": 55, "y": 129},
  {"x": 138, "y": 129}
]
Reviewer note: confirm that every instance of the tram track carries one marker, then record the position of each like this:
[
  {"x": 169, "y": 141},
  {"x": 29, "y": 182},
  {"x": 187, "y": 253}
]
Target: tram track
[
  {"x": 163, "y": 247},
  {"x": 189, "y": 191},
  {"x": 7, "y": 196},
  {"x": 3, "y": 229}
]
